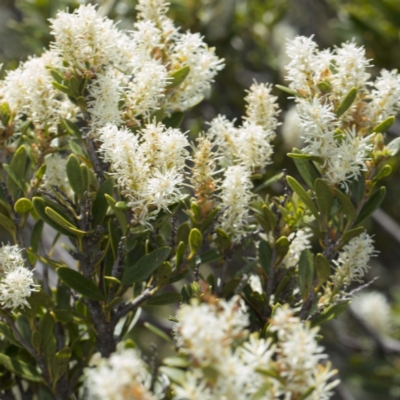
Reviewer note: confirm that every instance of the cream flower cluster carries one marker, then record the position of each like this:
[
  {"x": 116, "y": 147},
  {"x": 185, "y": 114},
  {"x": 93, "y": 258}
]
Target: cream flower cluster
[
  {"x": 134, "y": 67},
  {"x": 16, "y": 281},
  {"x": 250, "y": 144},
  {"x": 235, "y": 197},
  {"x": 206, "y": 333},
  {"x": 148, "y": 166},
  {"x": 241, "y": 151},
  {"x": 123, "y": 76},
  {"x": 352, "y": 262},
  {"x": 341, "y": 135},
  {"x": 123, "y": 376},
  {"x": 299, "y": 241},
  {"x": 29, "y": 93}
]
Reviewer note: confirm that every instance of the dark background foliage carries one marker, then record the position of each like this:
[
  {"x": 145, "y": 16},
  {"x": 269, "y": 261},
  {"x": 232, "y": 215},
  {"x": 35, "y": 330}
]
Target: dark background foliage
[{"x": 250, "y": 36}]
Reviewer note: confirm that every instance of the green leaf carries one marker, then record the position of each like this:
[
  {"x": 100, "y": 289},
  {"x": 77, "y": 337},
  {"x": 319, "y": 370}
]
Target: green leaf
[
  {"x": 40, "y": 206},
  {"x": 347, "y": 206},
  {"x": 20, "y": 368},
  {"x": 207, "y": 221},
  {"x": 230, "y": 287},
  {"x": 324, "y": 197},
  {"x": 113, "y": 303},
  {"x": 180, "y": 251},
  {"x": 145, "y": 266},
  {"x": 100, "y": 203},
  {"x": 23, "y": 205},
  {"x": 195, "y": 242},
  {"x": 371, "y": 205},
  {"x": 46, "y": 326},
  {"x": 384, "y": 125},
  {"x": 210, "y": 373},
  {"x": 330, "y": 313},
  {"x": 79, "y": 283},
  {"x": 177, "y": 77},
  {"x": 306, "y": 272},
  {"x": 8, "y": 334},
  {"x": 307, "y": 393},
  {"x": 164, "y": 299},
  {"x": 73, "y": 83},
  {"x": 76, "y": 149},
  {"x": 324, "y": 86},
  {"x": 383, "y": 172},
  {"x": 265, "y": 256},
  {"x": 179, "y": 362},
  {"x": 358, "y": 188},
  {"x": 57, "y": 75},
  {"x": 61, "y": 88},
  {"x": 352, "y": 233},
  {"x": 71, "y": 128},
  {"x": 269, "y": 181},
  {"x": 164, "y": 273},
  {"x": 346, "y": 102},
  {"x": 86, "y": 176},
  {"x": 306, "y": 169},
  {"x": 36, "y": 340},
  {"x": 59, "y": 220},
  {"x": 287, "y": 90},
  {"x": 6, "y": 223},
  {"x": 16, "y": 170},
  {"x": 121, "y": 217},
  {"x": 282, "y": 246},
  {"x": 223, "y": 239},
  {"x": 174, "y": 121},
  {"x": 182, "y": 235},
  {"x": 323, "y": 269},
  {"x": 209, "y": 256},
  {"x": 174, "y": 374},
  {"x": 36, "y": 235},
  {"x": 60, "y": 364},
  {"x": 263, "y": 223},
  {"x": 157, "y": 332},
  {"x": 75, "y": 176},
  {"x": 269, "y": 216},
  {"x": 303, "y": 156},
  {"x": 306, "y": 199}
]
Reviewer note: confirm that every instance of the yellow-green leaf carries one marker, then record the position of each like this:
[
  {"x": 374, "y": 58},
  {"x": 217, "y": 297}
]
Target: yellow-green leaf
[{"x": 177, "y": 77}]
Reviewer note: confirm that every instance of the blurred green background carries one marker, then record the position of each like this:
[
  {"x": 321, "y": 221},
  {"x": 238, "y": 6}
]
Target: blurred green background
[{"x": 250, "y": 35}]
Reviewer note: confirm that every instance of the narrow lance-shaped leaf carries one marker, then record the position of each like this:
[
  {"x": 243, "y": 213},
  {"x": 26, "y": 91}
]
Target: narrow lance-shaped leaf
[
  {"x": 371, "y": 205},
  {"x": 75, "y": 176},
  {"x": 347, "y": 206},
  {"x": 346, "y": 102},
  {"x": 306, "y": 169},
  {"x": 384, "y": 125},
  {"x": 145, "y": 266},
  {"x": 100, "y": 203},
  {"x": 40, "y": 206},
  {"x": 265, "y": 256},
  {"x": 79, "y": 283},
  {"x": 16, "y": 170},
  {"x": 177, "y": 77},
  {"x": 324, "y": 197},
  {"x": 323, "y": 269},
  {"x": 306, "y": 272},
  {"x": 59, "y": 220},
  {"x": 306, "y": 199}
]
